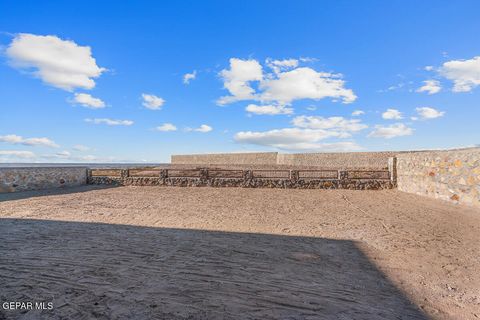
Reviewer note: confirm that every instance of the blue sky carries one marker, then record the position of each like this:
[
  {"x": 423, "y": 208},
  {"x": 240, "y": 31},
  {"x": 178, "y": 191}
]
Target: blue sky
[{"x": 100, "y": 81}]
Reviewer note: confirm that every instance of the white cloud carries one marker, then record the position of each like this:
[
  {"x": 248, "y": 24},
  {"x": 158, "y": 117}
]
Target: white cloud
[
  {"x": 187, "y": 77},
  {"x": 166, "y": 127},
  {"x": 14, "y": 139},
  {"x": 268, "y": 109},
  {"x": 203, "y": 128},
  {"x": 357, "y": 113},
  {"x": 237, "y": 80},
  {"x": 283, "y": 86},
  {"x": 392, "y": 114},
  {"x": 17, "y": 154},
  {"x": 392, "y": 131},
  {"x": 59, "y": 63},
  {"x": 336, "y": 123},
  {"x": 81, "y": 148},
  {"x": 63, "y": 155},
  {"x": 295, "y": 139},
  {"x": 305, "y": 83},
  {"x": 430, "y": 87},
  {"x": 86, "y": 100},
  {"x": 428, "y": 68},
  {"x": 284, "y": 137},
  {"x": 465, "y": 74},
  {"x": 152, "y": 102},
  {"x": 110, "y": 122},
  {"x": 281, "y": 65},
  {"x": 307, "y": 134},
  {"x": 429, "y": 113}
]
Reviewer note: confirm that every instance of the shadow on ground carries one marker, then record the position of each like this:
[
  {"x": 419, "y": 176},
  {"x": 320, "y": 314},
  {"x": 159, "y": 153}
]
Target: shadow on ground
[
  {"x": 102, "y": 271},
  {"x": 49, "y": 192}
]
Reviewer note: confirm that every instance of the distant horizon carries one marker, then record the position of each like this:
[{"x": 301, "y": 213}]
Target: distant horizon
[{"x": 126, "y": 163}]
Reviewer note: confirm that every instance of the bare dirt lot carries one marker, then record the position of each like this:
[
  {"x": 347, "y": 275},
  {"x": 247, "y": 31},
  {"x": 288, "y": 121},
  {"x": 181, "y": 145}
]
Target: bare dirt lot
[{"x": 233, "y": 253}]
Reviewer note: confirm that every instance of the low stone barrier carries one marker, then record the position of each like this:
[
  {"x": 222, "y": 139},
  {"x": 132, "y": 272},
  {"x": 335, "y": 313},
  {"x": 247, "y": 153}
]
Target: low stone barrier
[
  {"x": 38, "y": 178},
  {"x": 295, "y": 179}
]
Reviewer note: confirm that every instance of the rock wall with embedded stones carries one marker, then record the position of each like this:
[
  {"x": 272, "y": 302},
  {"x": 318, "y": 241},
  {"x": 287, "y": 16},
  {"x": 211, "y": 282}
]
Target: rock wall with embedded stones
[
  {"x": 248, "y": 182},
  {"x": 37, "y": 178},
  {"x": 452, "y": 175}
]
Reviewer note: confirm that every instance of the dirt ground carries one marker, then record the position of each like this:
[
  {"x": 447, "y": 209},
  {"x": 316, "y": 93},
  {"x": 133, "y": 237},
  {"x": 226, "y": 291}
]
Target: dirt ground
[{"x": 233, "y": 253}]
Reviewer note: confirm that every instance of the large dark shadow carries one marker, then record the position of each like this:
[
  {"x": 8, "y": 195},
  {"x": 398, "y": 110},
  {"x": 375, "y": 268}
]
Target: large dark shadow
[
  {"x": 102, "y": 271},
  {"x": 52, "y": 191}
]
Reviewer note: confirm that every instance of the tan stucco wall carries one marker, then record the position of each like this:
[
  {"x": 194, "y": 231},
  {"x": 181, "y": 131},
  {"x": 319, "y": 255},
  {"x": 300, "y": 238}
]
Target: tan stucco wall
[
  {"x": 369, "y": 160},
  {"x": 262, "y": 158}
]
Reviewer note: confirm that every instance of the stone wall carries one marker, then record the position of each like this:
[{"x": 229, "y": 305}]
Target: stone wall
[
  {"x": 452, "y": 175},
  {"x": 366, "y": 160},
  {"x": 37, "y": 178},
  {"x": 291, "y": 179}
]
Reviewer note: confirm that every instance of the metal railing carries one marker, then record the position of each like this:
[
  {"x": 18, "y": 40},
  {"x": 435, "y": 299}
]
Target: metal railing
[{"x": 280, "y": 174}]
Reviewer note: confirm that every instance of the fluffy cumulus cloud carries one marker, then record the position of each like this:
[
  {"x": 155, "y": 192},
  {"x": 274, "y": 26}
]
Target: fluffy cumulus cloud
[
  {"x": 430, "y": 87},
  {"x": 203, "y": 128},
  {"x": 59, "y": 63},
  {"x": 166, "y": 127},
  {"x": 8, "y": 154},
  {"x": 287, "y": 83},
  {"x": 294, "y": 139},
  {"x": 337, "y": 123},
  {"x": 465, "y": 74},
  {"x": 152, "y": 102},
  {"x": 237, "y": 80},
  {"x": 268, "y": 109},
  {"x": 392, "y": 131},
  {"x": 392, "y": 114},
  {"x": 14, "y": 139},
  {"x": 308, "y": 133},
  {"x": 305, "y": 83},
  {"x": 187, "y": 77},
  {"x": 429, "y": 113},
  {"x": 110, "y": 122},
  {"x": 281, "y": 65},
  {"x": 357, "y": 113},
  {"x": 86, "y": 100}
]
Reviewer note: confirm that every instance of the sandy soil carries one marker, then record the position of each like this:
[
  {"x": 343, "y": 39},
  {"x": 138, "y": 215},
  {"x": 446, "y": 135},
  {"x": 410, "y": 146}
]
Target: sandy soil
[{"x": 205, "y": 253}]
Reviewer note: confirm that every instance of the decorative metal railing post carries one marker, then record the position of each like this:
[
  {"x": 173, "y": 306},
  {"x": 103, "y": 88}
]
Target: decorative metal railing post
[
  {"x": 294, "y": 176},
  {"x": 204, "y": 175},
  {"x": 247, "y": 177},
  {"x": 124, "y": 173},
  {"x": 342, "y": 175},
  {"x": 164, "y": 173}
]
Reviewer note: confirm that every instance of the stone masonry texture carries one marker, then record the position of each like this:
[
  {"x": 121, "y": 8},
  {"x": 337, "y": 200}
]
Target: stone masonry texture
[
  {"x": 37, "y": 178},
  {"x": 452, "y": 175}
]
